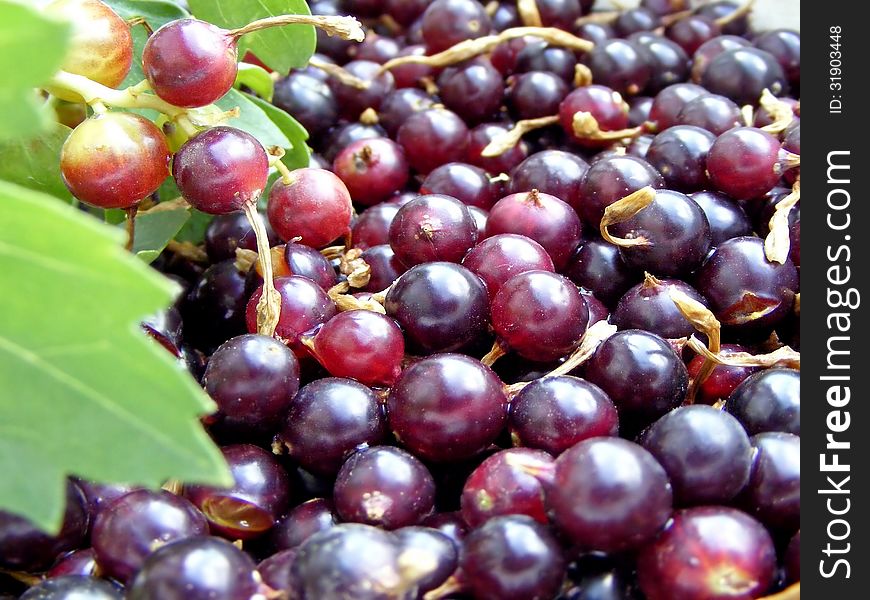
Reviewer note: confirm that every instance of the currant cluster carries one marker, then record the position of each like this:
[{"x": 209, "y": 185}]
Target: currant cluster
[{"x": 537, "y": 312}]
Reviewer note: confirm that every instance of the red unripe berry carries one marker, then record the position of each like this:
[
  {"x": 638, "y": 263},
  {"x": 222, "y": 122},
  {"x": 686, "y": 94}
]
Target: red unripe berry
[
  {"x": 102, "y": 45},
  {"x": 114, "y": 160},
  {"x": 315, "y": 206},
  {"x": 190, "y": 63}
]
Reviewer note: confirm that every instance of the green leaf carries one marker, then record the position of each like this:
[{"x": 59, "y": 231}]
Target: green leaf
[
  {"x": 114, "y": 216},
  {"x": 253, "y": 119},
  {"x": 156, "y": 13},
  {"x": 297, "y": 154},
  {"x": 168, "y": 190},
  {"x": 194, "y": 230},
  {"x": 257, "y": 79},
  {"x": 32, "y": 47},
  {"x": 82, "y": 390},
  {"x": 280, "y": 48},
  {"x": 35, "y": 162},
  {"x": 155, "y": 229}
]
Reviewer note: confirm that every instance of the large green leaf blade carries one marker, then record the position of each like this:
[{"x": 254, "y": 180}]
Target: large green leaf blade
[
  {"x": 155, "y": 229},
  {"x": 32, "y": 47},
  {"x": 252, "y": 119},
  {"x": 257, "y": 79},
  {"x": 297, "y": 154},
  {"x": 280, "y": 48},
  {"x": 35, "y": 162},
  {"x": 82, "y": 390}
]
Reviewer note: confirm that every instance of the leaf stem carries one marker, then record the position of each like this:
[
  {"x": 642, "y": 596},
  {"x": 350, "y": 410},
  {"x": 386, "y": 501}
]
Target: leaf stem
[{"x": 347, "y": 28}]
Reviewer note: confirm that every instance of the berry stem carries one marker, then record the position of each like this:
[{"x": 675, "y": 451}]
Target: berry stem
[
  {"x": 347, "y": 28},
  {"x": 529, "y": 13},
  {"x": 186, "y": 125},
  {"x": 131, "y": 226},
  {"x": 135, "y": 21},
  {"x": 598, "y": 18},
  {"x": 586, "y": 127},
  {"x": 269, "y": 306},
  {"x": 99, "y": 108},
  {"x": 340, "y": 74},
  {"x": 541, "y": 470},
  {"x": 275, "y": 155},
  {"x": 582, "y": 75},
  {"x": 95, "y": 93},
  {"x": 507, "y": 140},
  {"x": 25, "y": 578},
  {"x": 623, "y": 210},
  {"x": 381, "y": 296},
  {"x": 449, "y": 587},
  {"x": 498, "y": 350},
  {"x": 677, "y": 16},
  {"x": 738, "y": 13},
  {"x": 782, "y": 113},
  {"x": 747, "y": 113},
  {"x": 470, "y": 48},
  {"x": 597, "y": 333}
]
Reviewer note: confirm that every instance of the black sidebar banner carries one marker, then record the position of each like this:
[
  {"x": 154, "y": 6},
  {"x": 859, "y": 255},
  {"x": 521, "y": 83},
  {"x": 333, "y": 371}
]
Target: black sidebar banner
[{"x": 835, "y": 270}]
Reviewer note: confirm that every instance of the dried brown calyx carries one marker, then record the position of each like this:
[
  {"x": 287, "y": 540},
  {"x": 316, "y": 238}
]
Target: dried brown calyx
[
  {"x": 781, "y": 357},
  {"x": 777, "y": 244},
  {"x": 345, "y": 301},
  {"x": 188, "y": 250},
  {"x": 780, "y": 112},
  {"x": 357, "y": 270},
  {"x": 650, "y": 281},
  {"x": 704, "y": 321}
]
